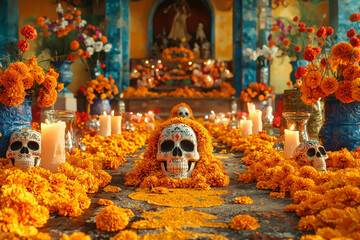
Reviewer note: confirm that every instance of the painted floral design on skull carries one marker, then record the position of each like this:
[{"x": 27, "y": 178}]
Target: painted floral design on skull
[
  {"x": 25, "y": 148},
  {"x": 177, "y": 150}
]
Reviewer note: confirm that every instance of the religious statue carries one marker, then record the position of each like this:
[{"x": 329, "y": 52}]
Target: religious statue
[
  {"x": 178, "y": 28},
  {"x": 200, "y": 34}
]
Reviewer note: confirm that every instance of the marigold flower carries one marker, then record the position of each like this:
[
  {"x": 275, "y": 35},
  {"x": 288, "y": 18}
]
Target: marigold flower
[
  {"x": 272, "y": 43},
  {"x": 309, "y": 55},
  {"x": 241, "y": 222},
  {"x": 343, "y": 93},
  {"x": 46, "y": 98},
  {"x": 329, "y": 31},
  {"x": 297, "y": 48},
  {"x": 351, "y": 33},
  {"x": 77, "y": 12},
  {"x": 23, "y": 45},
  {"x": 321, "y": 33},
  {"x": 103, "y": 39},
  {"x": 275, "y": 28},
  {"x": 351, "y": 72},
  {"x": 356, "y": 89},
  {"x": 28, "y": 32},
  {"x": 74, "y": 45},
  {"x": 355, "y": 42},
  {"x": 40, "y": 21},
  {"x": 329, "y": 85},
  {"x": 355, "y": 17},
  {"x": 296, "y": 18},
  {"x": 112, "y": 218},
  {"x": 301, "y": 25},
  {"x": 125, "y": 235},
  {"x": 286, "y": 42},
  {"x": 105, "y": 202},
  {"x": 78, "y": 19},
  {"x": 310, "y": 30},
  {"x": 49, "y": 82},
  {"x": 243, "y": 200},
  {"x": 342, "y": 51},
  {"x": 300, "y": 72},
  {"x": 75, "y": 236}
]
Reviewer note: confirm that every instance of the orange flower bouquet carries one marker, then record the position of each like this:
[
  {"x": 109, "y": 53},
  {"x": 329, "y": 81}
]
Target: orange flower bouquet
[
  {"x": 21, "y": 79},
  {"x": 258, "y": 91}
]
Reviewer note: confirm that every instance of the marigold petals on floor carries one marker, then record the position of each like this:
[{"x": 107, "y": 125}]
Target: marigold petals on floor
[{"x": 181, "y": 235}]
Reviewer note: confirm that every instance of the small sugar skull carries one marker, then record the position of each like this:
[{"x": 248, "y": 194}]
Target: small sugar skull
[
  {"x": 183, "y": 112},
  {"x": 25, "y": 148},
  {"x": 313, "y": 152},
  {"x": 177, "y": 150}
]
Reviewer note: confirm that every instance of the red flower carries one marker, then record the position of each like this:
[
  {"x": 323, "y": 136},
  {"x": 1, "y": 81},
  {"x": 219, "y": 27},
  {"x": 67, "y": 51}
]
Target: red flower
[
  {"x": 309, "y": 55},
  {"x": 302, "y": 29},
  {"x": 310, "y": 30},
  {"x": 71, "y": 57},
  {"x": 323, "y": 62},
  {"x": 317, "y": 50},
  {"x": 301, "y": 25},
  {"x": 355, "y": 42},
  {"x": 321, "y": 32},
  {"x": 296, "y": 18},
  {"x": 28, "y": 32},
  {"x": 103, "y": 65},
  {"x": 355, "y": 17},
  {"x": 329, "y": 31},
  {"x": 297, "y": 48},
  {"x": 350, "y": 33},
  {"x": 321, "y": 43},
  {"x": 300, "y": 72},
  {"x": 23, "y": 45}
]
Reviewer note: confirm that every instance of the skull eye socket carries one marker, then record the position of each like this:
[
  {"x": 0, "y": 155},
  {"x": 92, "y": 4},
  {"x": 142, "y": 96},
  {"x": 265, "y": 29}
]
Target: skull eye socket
[
  {"x": 322, "y": 150},
  {"x": 33, "y": 145},
  {"x": 167, "y": 145},
  {"x": 187, "y": 145},
  {"x": 16, "y": 146},
  {"x": 311, "y": 152}
]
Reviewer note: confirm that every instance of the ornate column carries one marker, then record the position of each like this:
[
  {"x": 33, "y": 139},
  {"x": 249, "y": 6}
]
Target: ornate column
[{"x": 117, "y": 30}]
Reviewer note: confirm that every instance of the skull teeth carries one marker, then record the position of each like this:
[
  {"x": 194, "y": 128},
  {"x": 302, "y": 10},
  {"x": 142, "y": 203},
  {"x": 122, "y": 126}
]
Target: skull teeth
[{"x": 164, "y": 163}]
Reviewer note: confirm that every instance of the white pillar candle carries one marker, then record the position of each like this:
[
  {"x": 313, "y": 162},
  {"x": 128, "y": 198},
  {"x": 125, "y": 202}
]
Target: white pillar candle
[
  {"x": 246, "y": 128},
  {"x": 291, "y": 142},
  {"x": 256, "y": 118},
  {"x": 52, "y": 145},
  {"x": 116, "y": 124},
  {"x": 105, "y": 125}
]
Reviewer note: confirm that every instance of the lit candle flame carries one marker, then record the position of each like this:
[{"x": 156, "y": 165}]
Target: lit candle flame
[
  {"x": 150, "y": 112},
  {"x": 212, "y": 112},
  {"x": 243, "y": 117},
  {"x": 206, "y": 116},
  {"x": 218, "y": 120},
  {"x": 146, "y": 120},
  {"x": 47, "y": 121},
  {"x": 104, "y": 113},
  {"x": 190, "y": 62},
  {"x": 152, "y": 66},
  {"x": 147, "y": 62},
  {"x": 112, "y": 113},
  {"x": 292, "y": 127},
  {"x": 159, "y": 61}
]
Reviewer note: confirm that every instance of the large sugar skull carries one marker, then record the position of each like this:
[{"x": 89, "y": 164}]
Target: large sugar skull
[
  {"x": 25, "y": 148},
  {"x": 183, "y": 112},
  {"x": 313, "y": 152},
  {"x": 177, "y": 150}
]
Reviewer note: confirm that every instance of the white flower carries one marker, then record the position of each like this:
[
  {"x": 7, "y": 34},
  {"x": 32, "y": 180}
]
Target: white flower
[
  {"x": 98, "y": 46},
  {"x": 90, "y": 50},
  {"x": 107, "y": 47},
  {"x": 82, "y": 23},
  {"x": 89, "y": 41},
  {"x": 59, "y": 9}
]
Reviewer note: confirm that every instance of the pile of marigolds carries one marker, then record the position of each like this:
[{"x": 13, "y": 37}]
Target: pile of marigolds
[
  {"x": 27, "y": 197},
  {"x": 328, "y": 202}
]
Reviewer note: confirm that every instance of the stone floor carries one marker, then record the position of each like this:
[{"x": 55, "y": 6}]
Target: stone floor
[{"x": 274, "y": 223}]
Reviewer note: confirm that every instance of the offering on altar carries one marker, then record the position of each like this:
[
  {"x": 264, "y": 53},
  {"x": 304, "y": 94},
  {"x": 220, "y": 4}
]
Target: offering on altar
[
  {"x": 181, "y": 110},
  {"x": 312, "y": 152},
  {"x": 174, "y": 145},
  {"x": 25, "y": 148}
]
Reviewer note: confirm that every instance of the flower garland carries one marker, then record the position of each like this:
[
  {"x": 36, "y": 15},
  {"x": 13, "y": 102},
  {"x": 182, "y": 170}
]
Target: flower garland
[
  {"x": 177, "y": 54},
  {"x": 175, "y": 109},
  {"x": 208, "y": 170}
]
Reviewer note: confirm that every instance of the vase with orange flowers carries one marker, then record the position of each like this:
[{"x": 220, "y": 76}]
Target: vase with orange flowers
[
  {"x": 21, "y": 84},
  {"x": 335, "y": 77},
  {"x": 70, "y": 37}
]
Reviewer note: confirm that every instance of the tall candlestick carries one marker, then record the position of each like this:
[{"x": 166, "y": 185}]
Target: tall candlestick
[
  {"x": 115, "y": 124},
  {"x": 291, "y": 142},
  {"x": 105, "y": 125},
  {"x": 246, "y": 128},
  {"x": 256, "y": 118},
  {"x": 52, "y": 145}
]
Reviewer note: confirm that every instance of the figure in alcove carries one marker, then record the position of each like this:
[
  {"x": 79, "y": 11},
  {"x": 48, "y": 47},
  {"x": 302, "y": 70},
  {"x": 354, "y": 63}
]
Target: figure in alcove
[{"x": 178, "y": 29}]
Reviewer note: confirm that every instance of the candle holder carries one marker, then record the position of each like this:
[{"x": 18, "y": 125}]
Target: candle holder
[
  {"x": 69, "y": 118},
  {"x": 298, "y": 122}
]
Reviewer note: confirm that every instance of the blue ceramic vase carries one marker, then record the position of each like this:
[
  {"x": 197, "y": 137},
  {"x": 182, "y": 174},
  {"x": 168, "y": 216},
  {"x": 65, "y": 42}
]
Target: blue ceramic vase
[
  {"x": 12, "y": 119},
  {"x": 65, "y": 73},
  {"x": 100, "y": 106},
  {"x": 341, "y": 128},
  {"x": 295, "y": 64}
]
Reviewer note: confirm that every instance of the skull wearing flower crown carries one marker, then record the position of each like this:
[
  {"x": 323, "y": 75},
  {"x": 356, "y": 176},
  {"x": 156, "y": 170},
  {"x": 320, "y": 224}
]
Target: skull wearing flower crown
[
  {"x": 312, "y": 152},
  {"x": 183, "y": 112},
  {"x": 25, "y": 148},
  {"x": 177, "y": 150}
]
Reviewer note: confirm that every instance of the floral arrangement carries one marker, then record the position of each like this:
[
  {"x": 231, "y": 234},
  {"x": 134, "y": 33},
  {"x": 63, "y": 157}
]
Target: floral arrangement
[
  {"x": 208, "y": 171},
  {"x": 258, "y": 91},
  {"x": 70, "y": 35},
  {"x": 335, "y": 73},
  {"x": 20, "y": 79},
  {"x": 265, "y": 52},
  {"x": 101, "y": 87},
  {"x": 180, "y": 54}
]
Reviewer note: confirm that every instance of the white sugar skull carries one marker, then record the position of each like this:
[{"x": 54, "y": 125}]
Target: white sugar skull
[
  {"x": 177, "y": 150},
  {"x": 25, "y": 148},
  {"x": 183, "y": 112},
  {"x": 313, "y": 152}
]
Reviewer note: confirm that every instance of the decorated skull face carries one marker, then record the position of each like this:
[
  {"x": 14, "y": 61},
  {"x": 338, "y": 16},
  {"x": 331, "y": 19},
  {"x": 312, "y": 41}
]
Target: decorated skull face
[
  {"x": 25, "y": 148},
  {"x": 177, "y": 150},
  {"x": 313, "y": 152},
  {"x": 183, "y": 112}
]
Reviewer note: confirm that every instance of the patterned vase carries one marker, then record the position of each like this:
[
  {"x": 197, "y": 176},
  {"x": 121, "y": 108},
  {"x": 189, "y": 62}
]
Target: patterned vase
[
  {"x": 341, "y": 128},
  {"x": 12, "y": 119},
  {"x": 65, "y": 73},
  {"x": 100, "y": 106}
]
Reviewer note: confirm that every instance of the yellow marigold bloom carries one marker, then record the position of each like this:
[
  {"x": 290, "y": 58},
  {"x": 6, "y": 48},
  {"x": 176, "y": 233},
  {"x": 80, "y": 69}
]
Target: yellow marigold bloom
[
  {"x": 105, "y": 202},
  {"x": 289, "y": 83},
  {"x": 102, "y": 96},
  {"x": 329, "y": 85},
  {"x": 125, "y": 235},
  {"x": 306, "y": 223},
  {"x": 344, "y": 93},
  {"x": 277, "y": 195},
  {"x": 243, "y": 200},
  {"x": 244, "y": 222},
  {"x": 75, "y": 236},
  {"x": 113, "y": 218}
]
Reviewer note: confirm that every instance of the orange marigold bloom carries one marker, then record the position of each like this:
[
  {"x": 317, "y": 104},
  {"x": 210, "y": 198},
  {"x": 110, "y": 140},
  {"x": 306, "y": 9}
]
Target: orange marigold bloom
[
  {"x": 310, "y": 30},
  {"x": 309, "y": 55},
  {"x": 13, "y": 95},
  {"x": 297, "y": 48},
  {"x": 272, "y": 43},
  {"x": 46, "y": 98},
  {"x": 275, "y": 28},
  {"x": 126, "y": 234},
  {"x": 46, "y": 34},
  {"x": 103, "y": 39},
  {"x": 344, "y": 92},
  {"x": 51, "y": 72},
  {"x": 113, "y": 218},
  {"x": 356, "y": 55},
  {"x": 243, "y": 200},
  {"x": 23, "y": 45},
  {"x": 321, "y": 43},
  {"x": 40, "y": 21},
  {"x": 77, "y": 12},
  {"x": 289, "y": 83},
  {"x": 329, "y": 31},
  {"x": 75, "y": 236},
  {"x": 329, "y": 85},
  {"x": 74, "y": 45},
  {"x": 342, "y": 51},
  {"x": 28, "y": 81},
  {"x": 49, "y": 82},
  {"x": 29, "y": 32},
  {"x": 321, "y": 33},
  {"x": 300, "y": 72},
  {"x": 356, "y": 89},
  {"x": 355, "y": 17},
  {"x": 286, "y": 42},
  {"x": 350, "y": 72},
  {"x": 60, "y": 87},
  {"x": 313, "y": 79},
  {"x": 78, "y": 20},
  {"x": 351, "y": 33},
  {"x": 355, "y": 42},
  {"x": 241, "y": 222},
  {"x": 20, "y": 67},
  {"x": 11, "y": 77}
]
